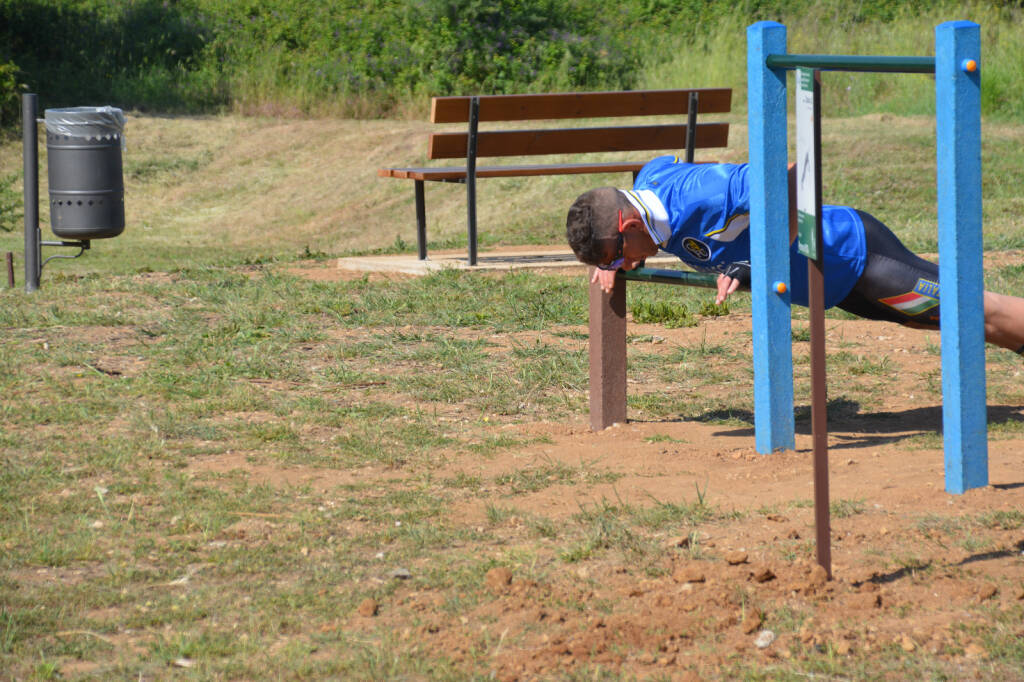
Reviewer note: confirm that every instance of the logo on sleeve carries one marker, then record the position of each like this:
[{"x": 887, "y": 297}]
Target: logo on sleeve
[
  {"x": 697, "y": 248},
  {"x": 922, "y": 298}
]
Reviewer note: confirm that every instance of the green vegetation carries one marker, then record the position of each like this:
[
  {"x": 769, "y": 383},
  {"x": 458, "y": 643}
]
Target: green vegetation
[
  {"x": 136, "y": 407},
  {"x": 293, "y": 56},
  {"x": 841, "y": 509},
  {"x": 553, "y": 473},
  {"x": 213, "y": 449},
  {"x": 10, "y": 203},
  {"x": 662, "y": 312},
  {"x": 214, "y": 465}
]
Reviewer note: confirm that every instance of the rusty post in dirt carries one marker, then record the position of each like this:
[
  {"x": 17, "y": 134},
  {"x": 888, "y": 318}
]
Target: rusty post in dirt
[
  {"x": 819, "y": 415},
  {"x": 607, "y": 355},
  {"x": 10, "y": 269},
  {"x": 809, "y": 244}
]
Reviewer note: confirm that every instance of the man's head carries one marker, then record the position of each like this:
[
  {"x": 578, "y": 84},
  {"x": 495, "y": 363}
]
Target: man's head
[
  {"x": 602, "y": 226},
  {"x": 592, "y": 224}
]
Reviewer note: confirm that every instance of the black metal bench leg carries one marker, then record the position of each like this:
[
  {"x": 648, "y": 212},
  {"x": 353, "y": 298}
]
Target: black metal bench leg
[
  {"x": 474, "y": 119},
  {"x": 421, "y": 221},
  {"x": 471, "y": 222},
  {"x": 691, "y": 126}
]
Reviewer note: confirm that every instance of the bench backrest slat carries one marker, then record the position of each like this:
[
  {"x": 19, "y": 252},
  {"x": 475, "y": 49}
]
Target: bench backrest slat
[
  {"x": 576, "y": 140},
  {"x": 580, "y": 105}
]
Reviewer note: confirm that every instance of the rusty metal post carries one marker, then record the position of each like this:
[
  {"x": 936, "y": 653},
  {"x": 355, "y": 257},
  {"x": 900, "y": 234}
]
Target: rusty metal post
[
  {"x": 819, "y": 414},
  {"x": 810, "y": 245},
  {"x": 10, "y": 269},
  {"x": 607, "y": 355}
]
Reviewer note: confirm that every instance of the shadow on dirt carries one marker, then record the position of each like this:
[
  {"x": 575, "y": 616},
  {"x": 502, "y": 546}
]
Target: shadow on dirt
[
  {"x": 863, "y": 430},
  {"x": 911, "y": 570}
]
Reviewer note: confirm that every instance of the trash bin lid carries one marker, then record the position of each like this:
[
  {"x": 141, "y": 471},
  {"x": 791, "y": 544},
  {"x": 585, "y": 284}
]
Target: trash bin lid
[{"x": 98, "y": 122}]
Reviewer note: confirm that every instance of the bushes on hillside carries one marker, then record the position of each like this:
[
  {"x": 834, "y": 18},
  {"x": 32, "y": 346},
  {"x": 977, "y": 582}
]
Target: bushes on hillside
[
  {"x": 80, "y": 52},
  {"x": 194, "y": 54},
  {"x": 350, "y": 57},
  {"x": 305, "y": 51},
  {"x": 9, "y": 93}
]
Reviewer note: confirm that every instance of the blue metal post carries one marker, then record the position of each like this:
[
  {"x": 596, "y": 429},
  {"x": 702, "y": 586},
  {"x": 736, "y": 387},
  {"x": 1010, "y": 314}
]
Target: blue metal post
[
  {"x": 769, "y": 240},
  {"x": 958, "y": 135}
]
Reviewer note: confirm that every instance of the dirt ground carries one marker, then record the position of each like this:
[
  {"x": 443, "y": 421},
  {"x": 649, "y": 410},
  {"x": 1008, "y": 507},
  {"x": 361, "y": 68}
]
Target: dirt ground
[{"x": 917, "y": 572}]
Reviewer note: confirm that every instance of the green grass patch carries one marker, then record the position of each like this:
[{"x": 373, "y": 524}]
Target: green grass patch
[
  {"x": 209, "y": 454},
  {"x": 552, "y": 473}
]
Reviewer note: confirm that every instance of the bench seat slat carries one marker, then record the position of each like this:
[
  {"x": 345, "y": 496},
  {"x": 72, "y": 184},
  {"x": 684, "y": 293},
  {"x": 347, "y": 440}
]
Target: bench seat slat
[
  {"x": 566, "y": 105},
  {"x": 576, "y": 140},
  {"x": 459, "y": 172}
]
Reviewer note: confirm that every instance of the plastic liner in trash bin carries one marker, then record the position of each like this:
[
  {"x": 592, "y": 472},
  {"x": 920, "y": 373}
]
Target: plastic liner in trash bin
[
  {"x": 85, "y": 172},
  {"x": 88, "y": 122}
]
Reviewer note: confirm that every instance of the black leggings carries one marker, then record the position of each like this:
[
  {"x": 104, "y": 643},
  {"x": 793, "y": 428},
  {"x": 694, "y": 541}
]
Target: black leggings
[{"x": 897, "y": 285}]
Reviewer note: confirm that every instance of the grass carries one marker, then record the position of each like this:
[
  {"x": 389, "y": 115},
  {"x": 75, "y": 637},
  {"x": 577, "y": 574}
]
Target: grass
[
  {"x": 842, "y": 509},
  {"x": 531, "y": 480},
  {"x": 663, "y": 313},
  {"x": 156, "y": 373},
  {"x": 209, "y": 458},
  {"x": 259, "y": 191},
  {"x": 821, "y": 29}
]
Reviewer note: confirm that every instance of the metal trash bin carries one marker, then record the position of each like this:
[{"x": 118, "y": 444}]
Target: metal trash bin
[{"x": 83, "y": 147}]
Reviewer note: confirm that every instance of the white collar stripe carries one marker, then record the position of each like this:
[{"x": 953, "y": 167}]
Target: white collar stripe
[
  {"x": 653, "y": 213},
  {"x": 639, "y": 203}
]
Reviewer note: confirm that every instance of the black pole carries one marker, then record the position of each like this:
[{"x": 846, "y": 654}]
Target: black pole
[
  {"x": 421, "y": 221},
  {"x": 474, "y": 121},
  {"x": 30, "y": 155},
  {"x": 691, "y": 126}
]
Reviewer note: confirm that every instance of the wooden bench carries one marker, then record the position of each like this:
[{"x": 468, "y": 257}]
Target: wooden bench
[{"x": 476, "y": 143}]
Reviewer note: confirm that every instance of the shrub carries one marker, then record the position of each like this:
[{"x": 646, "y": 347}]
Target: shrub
[
  {"x": 345, "y": 57},
  {"x": 10, "y": 203},
  {"x": 10, "y": 109},
  {"x": 306, "y": 52},
  {"x": 670, "y": 315}
]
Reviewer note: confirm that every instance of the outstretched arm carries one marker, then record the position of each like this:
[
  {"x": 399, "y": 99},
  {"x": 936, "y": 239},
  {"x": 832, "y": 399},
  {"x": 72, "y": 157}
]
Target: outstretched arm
[{"x": 732, "y": 279}]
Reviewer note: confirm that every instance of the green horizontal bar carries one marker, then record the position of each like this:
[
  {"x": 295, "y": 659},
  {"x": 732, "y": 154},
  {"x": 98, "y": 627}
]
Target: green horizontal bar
[
  {"x": 708, "y": 280},
  {"x": 837, "y": 62}
]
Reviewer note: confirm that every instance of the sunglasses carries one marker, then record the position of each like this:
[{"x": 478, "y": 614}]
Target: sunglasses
[{"x": 620, "y": 259}]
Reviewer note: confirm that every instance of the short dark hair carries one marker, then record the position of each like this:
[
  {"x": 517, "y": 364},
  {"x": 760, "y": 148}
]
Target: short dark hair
[{"x": 592, "y": 221}]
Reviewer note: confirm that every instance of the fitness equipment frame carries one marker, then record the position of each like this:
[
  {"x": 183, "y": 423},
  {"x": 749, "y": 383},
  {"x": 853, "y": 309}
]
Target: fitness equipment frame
[{"x": 958, "y": 140}]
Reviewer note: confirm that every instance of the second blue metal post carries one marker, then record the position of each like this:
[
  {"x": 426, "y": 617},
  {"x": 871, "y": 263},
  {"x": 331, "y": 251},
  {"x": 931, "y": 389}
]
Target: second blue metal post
[
  {"x": 769, "y": 240},
  {"x": 958, "y": 155}
]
